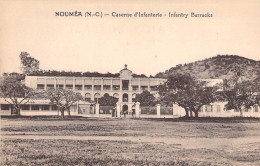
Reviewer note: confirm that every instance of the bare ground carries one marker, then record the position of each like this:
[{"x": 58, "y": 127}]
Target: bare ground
[{"x": 129, "y": 142}]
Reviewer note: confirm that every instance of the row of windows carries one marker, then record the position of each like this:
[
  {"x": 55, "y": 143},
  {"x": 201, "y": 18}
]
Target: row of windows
[
  {"x": 33, "y": 107},
  {"x": 96, "y": 87},
  {"x": 212, "y": 108}
]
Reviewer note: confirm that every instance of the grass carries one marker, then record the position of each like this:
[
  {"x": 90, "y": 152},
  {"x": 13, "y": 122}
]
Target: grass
[{"x": 86, "y": 141}]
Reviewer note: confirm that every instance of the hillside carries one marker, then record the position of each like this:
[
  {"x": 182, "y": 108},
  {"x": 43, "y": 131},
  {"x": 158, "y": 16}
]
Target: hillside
[{"x": 218, "y": 67}]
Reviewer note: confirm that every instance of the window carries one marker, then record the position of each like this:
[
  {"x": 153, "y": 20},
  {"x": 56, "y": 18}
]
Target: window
[
  {"x": 96, "y": 97},
  {"x": 54, "y": 107},
  {"x": 97, "y": 87},
  {"x": 45, "y": 107},
  {"x": 125, "y": 84},
  {"x": 69, "y": 86},
  {"x": 144, "y": 87},
  {"x": 135, "y": 87},
  {"x": 78, "y": 87},
  {"x": 35, "y": 107},
  {"x": 50, "y": 86},
  {"x": 153, "y": 88},
  {"x": 116, "y": 87},
  {"x": 25, "y": 107},
  {"x": 106, "y": 87},
  {"x": 4, "y": 106},
  {"x": 208, "y": 108},
  {"x": 87, "y": 97},
  {"x": 40, "y": 86},
  {"x": 88, "y": 87},
  {"x": 59, "y": 86}
]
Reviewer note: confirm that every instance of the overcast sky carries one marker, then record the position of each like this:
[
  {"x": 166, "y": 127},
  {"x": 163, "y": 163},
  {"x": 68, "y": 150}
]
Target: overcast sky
[{"x": 147, "y": 45}]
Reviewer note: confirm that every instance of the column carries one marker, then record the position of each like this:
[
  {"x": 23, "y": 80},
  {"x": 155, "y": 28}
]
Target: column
[
  {"x": 139, "y": 85},
  {"x": 92, "y": 83},
  {"x": 77, "y": 108},
  {"x": 83, "y": 85},
  {"x": 130, "y": 85},
  {"x": 121, "y": 85},
  {"x": 158, "y": 110},
  {"x": 137, "y": 110},
  {"x": 111, "y": 85},
  {"x": 45, "y": 83},
  {"x": 55, "y": 82},
  {"x": 97, "y": 109},
  {"x": 102, "y": 85},
  {"x": 118, "y": 109},
  {"x": 74, "y": 82}
]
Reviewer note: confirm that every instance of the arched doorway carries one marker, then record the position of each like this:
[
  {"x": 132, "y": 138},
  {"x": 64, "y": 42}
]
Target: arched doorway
[
  {"x": 125, "y": 109},
  {"x": 125, "y": 97}
]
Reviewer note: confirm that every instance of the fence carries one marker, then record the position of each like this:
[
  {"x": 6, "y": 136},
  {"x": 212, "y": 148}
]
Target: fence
[
  {"x": 106, "y": 109},
  {"x": 149, "y": 110},
  {"x": 166, "y": 110},
  {"x": 86, "y": 109}
]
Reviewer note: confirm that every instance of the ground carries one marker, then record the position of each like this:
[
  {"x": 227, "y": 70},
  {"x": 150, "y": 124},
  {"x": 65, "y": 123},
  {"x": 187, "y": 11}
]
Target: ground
[{"x": 85, "y": 141}]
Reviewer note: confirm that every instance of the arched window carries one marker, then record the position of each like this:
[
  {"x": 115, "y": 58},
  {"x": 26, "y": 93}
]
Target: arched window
[
  {"x": 106, "y": 94},
  {"x": 125, "y": 97},
  {"x": 87, "y": 97},
  {"x": 116, "y": 95},
  {"x": 96, "y": 97}
]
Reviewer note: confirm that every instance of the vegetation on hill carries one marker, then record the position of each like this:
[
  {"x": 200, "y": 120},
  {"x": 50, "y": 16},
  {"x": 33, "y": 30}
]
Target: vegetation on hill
[{"x": 218, "y": 67}]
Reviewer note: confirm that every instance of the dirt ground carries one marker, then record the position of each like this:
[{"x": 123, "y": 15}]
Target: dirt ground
[{"x": 129, "y": 142}]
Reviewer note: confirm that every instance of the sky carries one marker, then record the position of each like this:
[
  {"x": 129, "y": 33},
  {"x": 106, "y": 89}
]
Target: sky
[{"x": 146, "y": 45}]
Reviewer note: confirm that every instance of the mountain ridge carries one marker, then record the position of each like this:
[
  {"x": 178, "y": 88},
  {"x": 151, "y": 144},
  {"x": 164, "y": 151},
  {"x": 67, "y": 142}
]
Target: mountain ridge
[{"x": 218, "y": 67}]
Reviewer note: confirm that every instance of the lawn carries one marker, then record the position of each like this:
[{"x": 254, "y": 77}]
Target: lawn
[{"x": 86, "y": 141}]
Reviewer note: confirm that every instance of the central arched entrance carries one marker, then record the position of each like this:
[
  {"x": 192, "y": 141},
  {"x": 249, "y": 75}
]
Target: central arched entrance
[{"x": 125, "y": 109}]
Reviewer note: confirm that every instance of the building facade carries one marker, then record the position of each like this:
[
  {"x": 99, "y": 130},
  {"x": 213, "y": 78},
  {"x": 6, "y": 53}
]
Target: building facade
[{"x": 125, "y": 87}]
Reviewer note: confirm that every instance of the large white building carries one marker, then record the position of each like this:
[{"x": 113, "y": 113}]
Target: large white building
[{"x": 125, "y": 87}]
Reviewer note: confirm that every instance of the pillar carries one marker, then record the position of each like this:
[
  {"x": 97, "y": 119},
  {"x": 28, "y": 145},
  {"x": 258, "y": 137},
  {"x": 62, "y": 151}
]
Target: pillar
[
  {"x": 102, "y": 84},
  {"x": 45, "y": 83},
  {"x": 97, "y": 109},
  {"x": 137, "y": 110},
  {"x": 83, "y": 85},
  {"x": 121, "y": 85},
  {"x": 118, "y": 109},
  {"x": 73, "y": 84},
  {"x": 77, "y": 108},
  {"x": 139, "y": 84},
  {"x": 55, "y": 83},
  {"x": 158, "y": 110}
]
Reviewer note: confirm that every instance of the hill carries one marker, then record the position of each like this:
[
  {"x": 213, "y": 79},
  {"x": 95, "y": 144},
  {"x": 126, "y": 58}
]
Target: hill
[{"x": 218, "y": 67}]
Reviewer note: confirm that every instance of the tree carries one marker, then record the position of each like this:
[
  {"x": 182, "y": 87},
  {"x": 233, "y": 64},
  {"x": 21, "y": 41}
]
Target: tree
[
  {"x": 240, "y": 94},
  {"x": 63, "y": 99},
  {"x": 187, "y": 92},
  {"x": 15, "y": 92},
  {"x": 107, "y": 100},
  {"x": 28, "y": 63},
  {"x": 145, "y": 99}
]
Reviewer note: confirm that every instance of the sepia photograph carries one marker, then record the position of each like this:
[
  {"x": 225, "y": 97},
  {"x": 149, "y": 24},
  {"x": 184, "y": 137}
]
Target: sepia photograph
[{"x": 125, "y": 83}]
